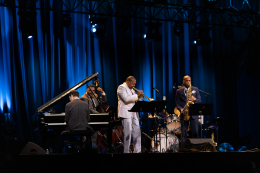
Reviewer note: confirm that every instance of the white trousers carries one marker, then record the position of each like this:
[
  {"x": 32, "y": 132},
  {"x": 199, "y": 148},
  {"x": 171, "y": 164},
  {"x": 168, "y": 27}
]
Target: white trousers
[{"x": 131, "y": 127}]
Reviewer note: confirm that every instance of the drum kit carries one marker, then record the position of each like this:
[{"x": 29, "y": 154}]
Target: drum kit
[{"x": 167, "y": 141}]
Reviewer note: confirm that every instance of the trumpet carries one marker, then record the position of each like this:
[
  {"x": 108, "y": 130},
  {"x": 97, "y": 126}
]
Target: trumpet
[{"x": 148, "y": 99}]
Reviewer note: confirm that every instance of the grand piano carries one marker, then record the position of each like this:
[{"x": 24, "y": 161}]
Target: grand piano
[{"x": 52, "y": 124}]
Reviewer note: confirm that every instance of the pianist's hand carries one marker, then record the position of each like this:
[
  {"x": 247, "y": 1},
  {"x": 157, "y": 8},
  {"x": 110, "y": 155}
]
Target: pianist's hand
[{"x": 100, "y": 90}]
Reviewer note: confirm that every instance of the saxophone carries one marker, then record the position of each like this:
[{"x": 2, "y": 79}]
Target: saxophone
[{"x": 186, "y": 107}]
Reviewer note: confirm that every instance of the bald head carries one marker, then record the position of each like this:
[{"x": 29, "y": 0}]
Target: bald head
[
  {"x": 130, "y": 78},
  {"x": 186, "y": 77},
  {"x": 187, "y": 81},
  {"x": 130, "y": 81}
]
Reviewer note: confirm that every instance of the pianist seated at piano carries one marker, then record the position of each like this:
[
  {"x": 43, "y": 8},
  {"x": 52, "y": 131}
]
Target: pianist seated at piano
[
  {"x": 92, "y": 102},
  {"x": 77, "y": 113}
]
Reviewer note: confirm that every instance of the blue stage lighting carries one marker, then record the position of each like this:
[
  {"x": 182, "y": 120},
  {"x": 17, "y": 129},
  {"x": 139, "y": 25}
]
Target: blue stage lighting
[
  {"x": 194, "y": 42},
  {"x": 30, "y": 36},
  {"x": 66, "y": 20},
  {"x": 225, "y": 147},
  {"x": 27, "y": 22},
  {"x": 93, "y": 30},
  {"x": 153, "y": 37},
  {"x": 98, "y": 27},
  {"x": 203, "y": 35},
  {"x": 153, "y": 31},
  {"x": 178, "y": 29}
]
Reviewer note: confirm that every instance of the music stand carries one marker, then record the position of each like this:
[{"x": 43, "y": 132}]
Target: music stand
[
  {"x": 200, "y": 109},
  {"x": 150, "y": 106}
]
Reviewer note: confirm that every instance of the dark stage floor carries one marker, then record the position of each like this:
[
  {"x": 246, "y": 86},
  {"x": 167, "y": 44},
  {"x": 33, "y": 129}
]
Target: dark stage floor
[{"x": 150, "y": 162}]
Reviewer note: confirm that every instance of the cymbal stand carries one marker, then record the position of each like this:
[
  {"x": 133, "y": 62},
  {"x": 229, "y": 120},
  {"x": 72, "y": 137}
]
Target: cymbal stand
[
  {"x": 166, "y": 134},
  {"x": 159, "y": 125},
  {"x": 155, "y": 129},
  {"x": 200, "y": 117},
  {"x": 217, "y": 133},
  {"x": 141, "y": 118}
]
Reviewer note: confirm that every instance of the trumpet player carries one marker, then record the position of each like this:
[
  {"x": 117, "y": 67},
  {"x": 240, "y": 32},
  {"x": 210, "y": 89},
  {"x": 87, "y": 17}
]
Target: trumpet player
[
  {"x": 130, "y": 120},
  {"x": 180, "y": 100}
]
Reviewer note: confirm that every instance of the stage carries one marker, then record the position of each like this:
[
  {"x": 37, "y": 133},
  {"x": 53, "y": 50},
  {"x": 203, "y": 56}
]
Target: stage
[
  {"x": 50, "y": 48},
  {"x": 174, "y": 162}
]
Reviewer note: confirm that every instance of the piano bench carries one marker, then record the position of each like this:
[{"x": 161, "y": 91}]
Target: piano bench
[{"x": 70, "y": 135}]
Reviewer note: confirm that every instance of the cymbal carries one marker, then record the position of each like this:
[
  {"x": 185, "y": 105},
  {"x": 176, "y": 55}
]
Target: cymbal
[{"x": 218, "y": 120}]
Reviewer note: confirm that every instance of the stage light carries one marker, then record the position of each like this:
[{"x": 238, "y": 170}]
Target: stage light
[
  {"x": 228, "y": 33},
  {"x": 66, "y": 20},
  {"x": 98, "y": 27},
  {"x": 93, "y": 29},
  {"x": 153, "y": 37},
  {"x": 203, "y": 35},
  {"x": 153, "y": 32},
  {"x": 178, "y": 29},
  {"x": 210, "y": 3},
  {"x": 124, "y": 25},
  {"x": 194, "y": 42},
  {"x": 225, "y": 147},
  {"x": 27, "y": 22}
]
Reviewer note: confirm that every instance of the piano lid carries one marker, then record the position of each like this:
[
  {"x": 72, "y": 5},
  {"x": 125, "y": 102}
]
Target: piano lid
[{"x": 65, "y": 93}]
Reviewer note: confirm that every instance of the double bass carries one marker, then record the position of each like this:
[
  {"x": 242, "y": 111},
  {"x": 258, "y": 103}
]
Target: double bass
[{"x": 102, "y": 107}]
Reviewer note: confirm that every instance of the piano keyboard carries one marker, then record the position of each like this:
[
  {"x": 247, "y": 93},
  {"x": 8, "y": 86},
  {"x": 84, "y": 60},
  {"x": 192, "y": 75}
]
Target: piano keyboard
[{"x": 57, "y": 124}]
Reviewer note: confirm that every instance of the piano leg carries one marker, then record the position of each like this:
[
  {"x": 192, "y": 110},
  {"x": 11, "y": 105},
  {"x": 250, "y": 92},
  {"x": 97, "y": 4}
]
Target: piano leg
[
  {"x": 48, "y": 139},
  {"x": 44, "y": 141},
  {"x": 51, "y": 143}
]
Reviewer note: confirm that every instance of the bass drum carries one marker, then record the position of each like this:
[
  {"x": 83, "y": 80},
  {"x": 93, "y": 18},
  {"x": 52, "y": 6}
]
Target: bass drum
[{"x": 160, "y": 145}]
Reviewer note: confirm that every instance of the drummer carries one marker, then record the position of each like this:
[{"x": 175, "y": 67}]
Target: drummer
[{"x": 173, "y": 122}]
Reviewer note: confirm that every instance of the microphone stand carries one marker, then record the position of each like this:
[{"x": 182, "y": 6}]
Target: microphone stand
[{"x": 206, "y": 95}]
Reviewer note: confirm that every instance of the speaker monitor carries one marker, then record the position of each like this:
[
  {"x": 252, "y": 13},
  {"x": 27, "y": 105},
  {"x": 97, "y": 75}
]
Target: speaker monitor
[
  {"x": 199, "y": 141},
  {"x": 32, "y": 148},
  {"x": 192, "y": 144}
]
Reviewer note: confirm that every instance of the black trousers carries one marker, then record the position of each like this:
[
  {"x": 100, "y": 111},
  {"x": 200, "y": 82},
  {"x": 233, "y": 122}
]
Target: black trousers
[{"x": 194, "y": 125}]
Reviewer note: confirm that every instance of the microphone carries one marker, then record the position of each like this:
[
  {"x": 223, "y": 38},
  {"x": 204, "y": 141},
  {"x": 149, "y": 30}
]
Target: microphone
[{"x": 155, "y": 89}]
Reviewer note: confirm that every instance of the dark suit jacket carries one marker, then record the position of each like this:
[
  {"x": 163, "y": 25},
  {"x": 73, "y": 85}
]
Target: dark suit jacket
[
  {"x": 180, "y": 98},
  {"x": 93, "y": 109},
  {"x": 77, "y": 115}
]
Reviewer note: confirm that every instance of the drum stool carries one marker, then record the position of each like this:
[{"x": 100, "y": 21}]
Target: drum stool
[{"x": 71, "y": 139}]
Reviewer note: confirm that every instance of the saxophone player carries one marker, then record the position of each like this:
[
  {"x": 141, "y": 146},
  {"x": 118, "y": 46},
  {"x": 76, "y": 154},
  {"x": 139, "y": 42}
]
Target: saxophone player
[{"x": 180, "y": 100}]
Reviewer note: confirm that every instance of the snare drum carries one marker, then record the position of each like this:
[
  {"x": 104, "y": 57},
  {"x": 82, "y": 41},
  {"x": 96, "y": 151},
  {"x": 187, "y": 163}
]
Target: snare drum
[{"x": 173, "y": 123}]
